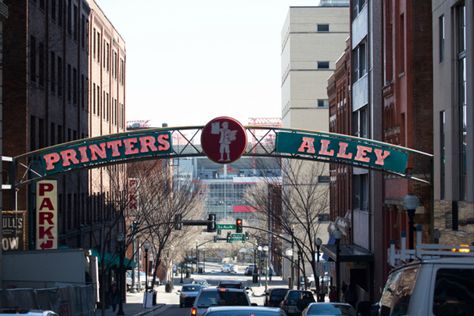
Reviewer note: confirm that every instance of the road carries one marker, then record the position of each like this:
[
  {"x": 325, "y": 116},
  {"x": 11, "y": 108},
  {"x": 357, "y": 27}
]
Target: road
[{"x": 213, "y": 275}]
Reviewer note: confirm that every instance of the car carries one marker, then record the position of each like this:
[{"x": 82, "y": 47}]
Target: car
[
  {"x": 227, "y": 268},
  {"x": 274, "y": 296},
  {"x": 250, "y": 269},
  {"x": 430, "y": 286},
  {"x": 188, "y": 294},
  {"x": 218, "y": 297},
  {"x": 243, "y": 311},
  {"x": 329, "y": 309},
  {"x": 231, "y": 284},
  {"x": 25, "y": 312},
  {"x": 142, "y": 281},
  {"x": 202, "y": 283},
  {"x": 296, "y": 301}
]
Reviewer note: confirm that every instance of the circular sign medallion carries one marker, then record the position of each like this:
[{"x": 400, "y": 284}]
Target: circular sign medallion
[{"x": 223, "y": 139}]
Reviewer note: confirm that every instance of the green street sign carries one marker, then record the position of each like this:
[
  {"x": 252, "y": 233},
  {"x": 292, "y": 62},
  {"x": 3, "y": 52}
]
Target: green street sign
[
  {"x": 225, "y": 226},
  {"x": 237, "y": 237},
  {"x": 345, "y": 149}
]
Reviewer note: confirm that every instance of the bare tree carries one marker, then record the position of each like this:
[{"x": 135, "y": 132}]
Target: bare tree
[{"x": 303, "y": 200}]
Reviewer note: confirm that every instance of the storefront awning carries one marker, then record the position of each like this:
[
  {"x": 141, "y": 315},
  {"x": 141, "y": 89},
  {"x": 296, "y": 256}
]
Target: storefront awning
[
  {"x": 347, "y": 253},
  {"x": 113, "y": 260}
]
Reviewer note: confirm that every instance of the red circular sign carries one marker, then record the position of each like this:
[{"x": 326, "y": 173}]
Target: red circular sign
[{"x": 223, "y": 139}]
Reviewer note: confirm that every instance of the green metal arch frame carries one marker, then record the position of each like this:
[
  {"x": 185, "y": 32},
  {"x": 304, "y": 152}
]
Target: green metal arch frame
[{"x": 169, "y": 143}]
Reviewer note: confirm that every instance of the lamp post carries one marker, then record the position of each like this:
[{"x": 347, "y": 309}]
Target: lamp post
[
  {"x": 411, "y": 202},
  {"x": 337, "y": 236},
  {"x": 146, "y": 246},
  {"x": 317, "y": 242},
  {"x": 197, "y": 258},
  {"x": 120, "y": 240},
  {"x": 289, "y": 253},
  {"x": 260, "y": 248},
  {"x": 265, "y": 249}
]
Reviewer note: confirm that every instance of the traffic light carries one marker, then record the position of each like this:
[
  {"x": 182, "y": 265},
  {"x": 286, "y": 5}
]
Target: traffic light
[
  {"x": 211, "y": 223},
  {"x": 178, "y": 222},
  {"x": 228, "y": 237},
  {"x": 246, "y": 237},
  {"x": 238, "y": 225}
]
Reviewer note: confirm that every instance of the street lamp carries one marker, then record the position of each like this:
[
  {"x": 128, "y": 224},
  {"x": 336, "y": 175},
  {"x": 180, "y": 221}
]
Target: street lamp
[
  {"x": 411, "y": 202},
  {"x": 337, "y": 236},
  {"x": 146, "y": 246},
  {"x": 317, "y": 242},
  {"x": 289, "y": 253},
  {"x": 260, "y": 248},
  {"x": 121, "y": 240},
  {"x": 265, "y": 249}
]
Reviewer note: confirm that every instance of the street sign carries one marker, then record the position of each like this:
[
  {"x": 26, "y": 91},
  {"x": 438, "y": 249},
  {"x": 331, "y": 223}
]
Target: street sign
[
  {"x": 237, "y": 237},
  {"x": 226, "y": 226}
]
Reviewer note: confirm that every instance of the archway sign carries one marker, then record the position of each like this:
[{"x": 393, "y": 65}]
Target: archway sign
[{"x": 223, "y": 140}]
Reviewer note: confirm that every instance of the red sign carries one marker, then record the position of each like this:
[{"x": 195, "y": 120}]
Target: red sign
[
  {"x": 223, "y": 140},
  {"x": 46, "y": 215}
]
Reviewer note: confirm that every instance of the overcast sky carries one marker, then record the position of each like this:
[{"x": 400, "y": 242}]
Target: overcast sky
[{"x": 189, "y": 61}]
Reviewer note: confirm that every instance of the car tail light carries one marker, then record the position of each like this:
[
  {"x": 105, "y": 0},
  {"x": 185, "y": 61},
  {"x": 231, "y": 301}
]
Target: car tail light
[{"x": 194, "y": 311}]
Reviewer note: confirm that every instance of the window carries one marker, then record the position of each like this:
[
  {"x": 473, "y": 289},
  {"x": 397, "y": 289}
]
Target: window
[
  {"x": 41, "y": 63},
  {"x": 69, "y": 17},
  {"x": 442, "y": 157},
  {"x": 93, "y": 99},
  {"x": 323, "y": 27},
  {"x": 60, "y": 12},
  {"x": 453, "y": 293},
  {"x": 93, "y": 43},
  {"x": 323, "y": 65},
  {"x": 74, "y": 86},
  {"x": 359, "y": 60},
  {"x": 32, "y": 58},
  {"x": 41, "y": 130},
  {"x": 41, "y": 4},
  {"x": 60, "y": 76},
  {"x": 323, "y": 103},
  {"x": 53, "y": 10},
  {"x": 442, "y": 37},
  {"x": 462, "y": 97},
  {"x": 60, "y": 134},
  {"x": 52, "y": 72},
  {"x": 32, "y": 133},
  {"x": 398, "y": 289},
  {"x": 358, "y": 5},
  {"x": 401, "y": 45},
  {"x": 69, "y": 79},
  {"x": 83, "y": 31},
  {"x": 83, "y": 94},
  {"x": 52, "y": 135},
  {"x": 76, "y": 23}
]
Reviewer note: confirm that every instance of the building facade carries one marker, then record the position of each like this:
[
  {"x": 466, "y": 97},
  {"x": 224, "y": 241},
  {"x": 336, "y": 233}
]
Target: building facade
[
  {"x": 64, "y": 80},
  {"x": 453, "y": 89}
]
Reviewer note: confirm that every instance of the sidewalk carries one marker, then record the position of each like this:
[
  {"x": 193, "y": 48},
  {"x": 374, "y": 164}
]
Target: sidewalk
[{"x": 132, "y": 307}]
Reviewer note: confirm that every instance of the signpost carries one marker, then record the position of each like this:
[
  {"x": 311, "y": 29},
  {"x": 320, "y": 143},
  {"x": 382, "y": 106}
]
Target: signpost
[
  {"x": 226, "y": 226},
  {"x": 237, "y": 237}
]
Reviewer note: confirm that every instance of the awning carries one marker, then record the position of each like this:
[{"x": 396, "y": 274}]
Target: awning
[
  {"x": 113, "y": 260},
  {"x": 347, "y": 253}
]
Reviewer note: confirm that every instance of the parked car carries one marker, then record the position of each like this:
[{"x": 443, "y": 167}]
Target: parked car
[
  {"x": 202, "y": 283},
  {"x": 329, "y": 309},
  {"x": 231, "y": 284},
  {"x": 25, "y": 312},
  {"x": 228, "y": 268},
  {"x": 243, "y": 311},
  {"x": 274, "y": 296},
  {"x": 426, "y": 287},
  {"x": 218, "y": 297},
  {"x": 296, "y": 301},
  {"x": 188, "y": 294},
  {"x": 142, "y": 281},
  {"x": 250, "y": 269}
]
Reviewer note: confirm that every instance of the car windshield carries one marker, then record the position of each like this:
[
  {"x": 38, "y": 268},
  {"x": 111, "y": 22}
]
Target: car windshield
[
  {"x": 190, "y": 288},
  {"x": 222, "y": 298},
  {"x": 330, "y": 309},
  {"x": 278, "y": 294}
]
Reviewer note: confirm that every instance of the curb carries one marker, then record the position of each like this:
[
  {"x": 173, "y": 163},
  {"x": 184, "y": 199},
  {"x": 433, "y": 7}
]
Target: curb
[{"x": 154, "y": 308}]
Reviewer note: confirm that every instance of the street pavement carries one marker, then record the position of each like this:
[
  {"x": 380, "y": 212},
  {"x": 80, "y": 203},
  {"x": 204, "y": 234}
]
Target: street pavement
[{"x": 168, "y": 303}]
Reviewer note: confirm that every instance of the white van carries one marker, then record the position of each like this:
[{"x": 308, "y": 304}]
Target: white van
[{"x": 428, "y": 287}]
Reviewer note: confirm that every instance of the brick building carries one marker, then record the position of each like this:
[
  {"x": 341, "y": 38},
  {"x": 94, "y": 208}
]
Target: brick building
[{"x": 64, "y": 79}]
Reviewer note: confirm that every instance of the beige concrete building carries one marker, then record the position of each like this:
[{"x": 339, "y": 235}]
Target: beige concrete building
[{"x": 313, "y": 38}]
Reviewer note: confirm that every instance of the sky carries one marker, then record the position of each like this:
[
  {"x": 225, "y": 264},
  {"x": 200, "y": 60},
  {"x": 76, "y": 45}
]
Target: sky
[{"x": 190, "y": 61}]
